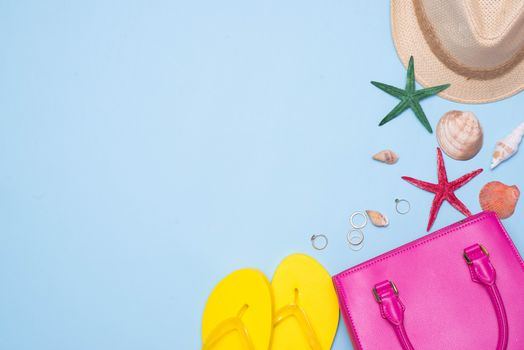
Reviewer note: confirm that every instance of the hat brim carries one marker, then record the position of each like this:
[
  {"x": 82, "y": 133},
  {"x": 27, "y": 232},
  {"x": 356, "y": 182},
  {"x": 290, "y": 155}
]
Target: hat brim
[{"x": 430, "y": 71}]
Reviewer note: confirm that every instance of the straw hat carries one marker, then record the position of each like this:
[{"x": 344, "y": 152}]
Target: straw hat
[{"x": 475, "y": 45}]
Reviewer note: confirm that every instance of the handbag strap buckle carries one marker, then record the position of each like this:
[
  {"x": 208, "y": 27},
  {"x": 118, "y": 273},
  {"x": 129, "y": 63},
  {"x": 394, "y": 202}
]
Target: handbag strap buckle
[
  {"x": 468, "y": 259},
  {"x": 377, "y": 296}
]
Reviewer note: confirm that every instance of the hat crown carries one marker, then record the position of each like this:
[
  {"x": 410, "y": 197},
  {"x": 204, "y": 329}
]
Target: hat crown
[
  {"x": 475, "y": 34},
  {"x": 491, "y": 18}
]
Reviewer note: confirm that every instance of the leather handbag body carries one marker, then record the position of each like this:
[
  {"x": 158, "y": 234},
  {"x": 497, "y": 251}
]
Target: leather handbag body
[{"x": 461, "y": 287}]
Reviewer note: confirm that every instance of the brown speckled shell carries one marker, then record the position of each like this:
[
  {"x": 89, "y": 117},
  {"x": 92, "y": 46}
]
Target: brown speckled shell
[
  {"x": 500, "y": 198},
  {"x": 377, "y": 218},
  {"x": 386, "y": 156}
]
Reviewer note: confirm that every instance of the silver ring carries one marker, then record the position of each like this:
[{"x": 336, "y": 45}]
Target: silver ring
[
  {"x": 361, "y": 213},
  {"x": 350, "y": 237},
  {"x": 321, "y": 246},
  {"x": 357, "y": 247},
  {"x": 402, "y": 212}
]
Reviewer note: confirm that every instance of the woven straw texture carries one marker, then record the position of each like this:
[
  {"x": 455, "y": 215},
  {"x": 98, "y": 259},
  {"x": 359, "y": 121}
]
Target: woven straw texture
[{"x": 475, "y": 45}]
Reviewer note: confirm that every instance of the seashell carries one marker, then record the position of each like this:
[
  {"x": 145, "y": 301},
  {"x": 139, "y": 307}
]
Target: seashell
[
  {"x": 386, "y": 156},
  {"x": 378, "y": 219},
  {"x": 460, "y": 134},
  {"x": 500, "y": 198},
  {"x": 508, "y": 146}
]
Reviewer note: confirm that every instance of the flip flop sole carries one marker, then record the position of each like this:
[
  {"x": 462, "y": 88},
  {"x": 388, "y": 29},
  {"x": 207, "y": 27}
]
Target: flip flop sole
[
  {"x": 306, "y": 311},
  {"x": 238, "y": 313}
]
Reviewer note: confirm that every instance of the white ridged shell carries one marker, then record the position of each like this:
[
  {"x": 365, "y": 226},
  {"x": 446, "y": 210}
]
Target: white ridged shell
[
  {"x": 460, "y": 135},
  {"x": 508, "y": 146}
]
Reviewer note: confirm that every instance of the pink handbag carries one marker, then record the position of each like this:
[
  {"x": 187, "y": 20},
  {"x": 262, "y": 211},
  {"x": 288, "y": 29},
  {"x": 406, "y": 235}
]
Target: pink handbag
[{"x": 461, "y": 287}]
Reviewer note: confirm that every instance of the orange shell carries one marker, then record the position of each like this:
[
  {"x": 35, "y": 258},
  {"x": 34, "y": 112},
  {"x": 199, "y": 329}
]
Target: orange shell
[{"x": 500, "y": 198}]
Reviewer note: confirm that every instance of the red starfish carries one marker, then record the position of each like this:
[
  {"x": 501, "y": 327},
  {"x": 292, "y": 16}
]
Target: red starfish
[{"x": 444, "y": 190}]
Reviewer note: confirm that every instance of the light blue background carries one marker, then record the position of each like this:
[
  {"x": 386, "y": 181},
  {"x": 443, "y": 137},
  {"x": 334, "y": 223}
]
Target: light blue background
[{"x": 149, "y": 148}]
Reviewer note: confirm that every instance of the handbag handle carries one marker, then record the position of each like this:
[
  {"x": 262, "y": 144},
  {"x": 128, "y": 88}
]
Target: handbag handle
[{"x": 482, "y": 271}]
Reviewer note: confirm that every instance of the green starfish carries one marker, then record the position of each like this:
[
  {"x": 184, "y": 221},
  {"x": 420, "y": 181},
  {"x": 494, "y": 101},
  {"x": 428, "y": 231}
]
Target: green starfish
[{"x": 410, "y": 97}]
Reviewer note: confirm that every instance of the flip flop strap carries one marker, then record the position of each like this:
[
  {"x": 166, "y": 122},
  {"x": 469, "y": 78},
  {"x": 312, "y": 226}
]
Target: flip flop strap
[
  {"x": 233, "y": 324},
  {"x": 294, "y": 310}
]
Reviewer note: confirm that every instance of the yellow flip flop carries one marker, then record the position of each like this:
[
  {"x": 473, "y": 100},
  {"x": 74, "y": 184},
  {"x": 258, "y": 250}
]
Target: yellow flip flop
[
  {"x": 305, "y": 305},
  {"x": 238, "y": 313}
]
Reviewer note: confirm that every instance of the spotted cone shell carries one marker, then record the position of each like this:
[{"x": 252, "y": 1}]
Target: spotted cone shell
[
  {"x": 460, "y": 135},
  {"x": 500, "y": 198}
]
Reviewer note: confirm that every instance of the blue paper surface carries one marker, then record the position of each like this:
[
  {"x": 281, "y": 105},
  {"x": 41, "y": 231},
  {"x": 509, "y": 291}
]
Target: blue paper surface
[{"x": 149, "y": 148}]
